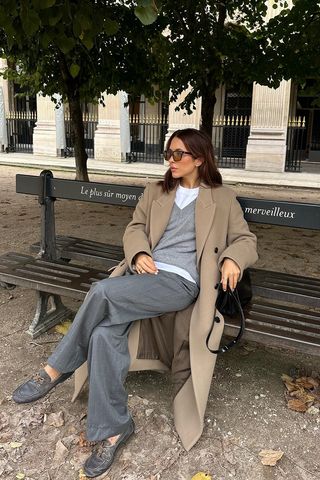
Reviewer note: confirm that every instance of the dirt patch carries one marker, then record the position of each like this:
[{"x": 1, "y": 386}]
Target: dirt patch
[{"x": 247, "y": 409}]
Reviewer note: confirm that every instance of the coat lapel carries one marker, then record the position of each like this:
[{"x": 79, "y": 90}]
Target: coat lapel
[
  {"x": 205, "y": 210},
  {"x": 160, "y": 215}
]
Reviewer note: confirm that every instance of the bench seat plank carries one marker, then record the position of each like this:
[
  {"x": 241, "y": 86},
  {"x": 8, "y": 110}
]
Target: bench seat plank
[
  {"x": 51, "y": 277},
  {"x": 293, "y": 327},
  {"x": 74, "y": 248},
  {"x": 286, "y": 287}
]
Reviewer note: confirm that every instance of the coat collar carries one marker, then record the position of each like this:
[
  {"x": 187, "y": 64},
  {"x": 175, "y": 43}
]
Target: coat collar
[
  {"x": 160, "y": 213},
  {"x": 205, "y": 210}
]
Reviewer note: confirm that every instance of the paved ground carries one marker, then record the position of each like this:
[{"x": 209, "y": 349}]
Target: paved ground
[
  {"x": 247, "y": 409},
  {"x": 309, "y": 177}
]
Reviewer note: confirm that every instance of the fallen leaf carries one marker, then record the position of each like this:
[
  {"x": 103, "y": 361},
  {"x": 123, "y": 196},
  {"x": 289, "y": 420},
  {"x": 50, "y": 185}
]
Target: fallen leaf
[
  {"x": 55, "y": 419},
  {"x": 286, "y": 378},
  {"x": 83, "y": 442},
  {"x": 4, "y": 421},
  {"x": 82, "y": 475},
  {"x": 295, "y": 392},
  {"x": 297, "y": 405},
  {"x": 15, "y": 444},
  {"x": 63, "y": 327},
  {"x": 270, "y": 457},
  {"x": 303, "y": 390},
  {"x": 307, "y": 382},
  {"x": 313, "y": 410},
  {"x": 33, "y": 417},
  {"x": 305, "y": 397},
  {"x": 250, "y": 348},
  {"x": 201, "y": 476},
  {"x": 60, "y": 453},
  {"x": 20, "y": 476}
]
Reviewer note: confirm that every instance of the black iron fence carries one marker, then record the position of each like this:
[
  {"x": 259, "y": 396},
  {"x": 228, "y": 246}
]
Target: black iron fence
[
  {"x": 296, "y": 143},
  {"x": 20, "y": 127},
  {"x": 230, "y": 137},
  {"x": 147, "y": 136},
  {"x": 90, "y": 122}
]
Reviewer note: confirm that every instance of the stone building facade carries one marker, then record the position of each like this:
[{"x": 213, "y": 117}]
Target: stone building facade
[{"x": 266, "y": 133}]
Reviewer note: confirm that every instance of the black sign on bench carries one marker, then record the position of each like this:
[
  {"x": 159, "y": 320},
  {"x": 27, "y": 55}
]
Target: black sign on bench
[{"x": 274, "y": 212}]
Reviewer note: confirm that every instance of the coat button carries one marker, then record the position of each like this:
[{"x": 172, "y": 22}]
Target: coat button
[
  {"x": 217, "y": 319},
  {"x": 216, "y": 286},
  {"x": 216, "y": 250}
]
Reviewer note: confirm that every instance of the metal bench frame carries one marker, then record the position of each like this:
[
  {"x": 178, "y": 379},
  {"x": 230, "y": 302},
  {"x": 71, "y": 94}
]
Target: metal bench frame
[{"x": 270, "y": 322}]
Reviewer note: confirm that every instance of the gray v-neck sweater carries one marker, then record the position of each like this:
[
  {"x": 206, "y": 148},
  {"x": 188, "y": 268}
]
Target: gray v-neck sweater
[{"x": 177, "y": 245}]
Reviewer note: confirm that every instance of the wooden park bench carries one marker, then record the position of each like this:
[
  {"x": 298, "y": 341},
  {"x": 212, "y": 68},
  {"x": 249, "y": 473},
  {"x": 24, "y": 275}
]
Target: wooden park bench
[{"x": 283, "y": 311}]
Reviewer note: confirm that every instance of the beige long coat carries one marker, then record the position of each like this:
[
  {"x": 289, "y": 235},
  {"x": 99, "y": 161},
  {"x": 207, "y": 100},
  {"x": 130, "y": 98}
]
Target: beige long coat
[{"x": 177, "y": 341}]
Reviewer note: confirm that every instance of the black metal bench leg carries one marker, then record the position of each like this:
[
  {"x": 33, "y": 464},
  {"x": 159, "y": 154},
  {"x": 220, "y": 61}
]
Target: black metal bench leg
[{"x": 49, "y": 312}]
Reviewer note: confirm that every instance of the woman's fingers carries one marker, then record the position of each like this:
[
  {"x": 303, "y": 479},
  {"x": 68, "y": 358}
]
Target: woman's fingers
[
  {"x": 231, "y": 279},
  {"x": 145, "y": 264},
  {"x": 230, "y": 273},
  {"x": 224, "y": 281}
]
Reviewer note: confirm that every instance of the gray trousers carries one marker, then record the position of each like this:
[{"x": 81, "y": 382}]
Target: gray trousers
[{"x": 99, "y": 334}]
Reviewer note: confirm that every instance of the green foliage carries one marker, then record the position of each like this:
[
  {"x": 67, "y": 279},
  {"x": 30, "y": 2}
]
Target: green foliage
[
  {"x": 84, "y": 47},
  {"x": 212, "y": 42},
  {"x": 147, "y": 11},
  {"x": 294, "y": 50},
  {"x": 79, "y": 49}
]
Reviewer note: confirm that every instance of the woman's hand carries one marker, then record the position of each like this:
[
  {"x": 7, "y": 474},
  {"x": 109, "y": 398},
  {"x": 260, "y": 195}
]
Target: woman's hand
[
  {"x": 230, "y": 273},
  {"x": 145, "y": 264}
]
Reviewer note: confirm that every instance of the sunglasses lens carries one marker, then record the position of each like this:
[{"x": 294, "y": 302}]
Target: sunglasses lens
[
  {"x": 175, "y": 154},
  {"x": 167, "y": 154}
]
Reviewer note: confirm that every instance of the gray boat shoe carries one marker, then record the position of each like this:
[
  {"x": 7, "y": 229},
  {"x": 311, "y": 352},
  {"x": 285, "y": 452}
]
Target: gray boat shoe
[
  {"x": 103, "y": 456},
  {"x": 37, "y": 387}
]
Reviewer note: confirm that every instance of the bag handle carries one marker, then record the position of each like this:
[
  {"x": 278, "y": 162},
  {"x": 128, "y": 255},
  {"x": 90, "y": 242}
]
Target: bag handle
[{"x": 229, "y": 345}]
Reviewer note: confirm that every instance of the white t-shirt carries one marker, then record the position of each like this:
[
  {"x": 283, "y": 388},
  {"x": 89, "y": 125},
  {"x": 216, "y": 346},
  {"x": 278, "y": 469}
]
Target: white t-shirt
[{"x": 184, "y": 196}]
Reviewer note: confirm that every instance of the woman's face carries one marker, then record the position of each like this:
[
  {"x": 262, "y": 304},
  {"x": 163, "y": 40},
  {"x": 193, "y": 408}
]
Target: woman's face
[{"x": 187, "y": 168}]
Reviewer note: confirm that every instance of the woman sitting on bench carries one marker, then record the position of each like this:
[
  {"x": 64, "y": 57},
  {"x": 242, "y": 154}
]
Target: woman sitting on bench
[{"x": 187, "y": 234}]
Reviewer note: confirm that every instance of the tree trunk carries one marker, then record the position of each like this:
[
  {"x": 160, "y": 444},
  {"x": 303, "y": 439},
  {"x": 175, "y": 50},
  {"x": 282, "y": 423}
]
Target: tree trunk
[
  {"x": 78, "y": 137},
  {"x": 207, "y": 109},
  {"x": 77, "y": 127}
]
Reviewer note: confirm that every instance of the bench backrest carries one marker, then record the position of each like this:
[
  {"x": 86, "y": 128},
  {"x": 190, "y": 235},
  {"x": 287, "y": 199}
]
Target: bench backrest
[{"x": 272, "y": 212}]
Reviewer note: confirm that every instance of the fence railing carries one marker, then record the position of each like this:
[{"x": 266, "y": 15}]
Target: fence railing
[
  {"x": 90, "y": 122},
  {"x": 147, "y": 136},
  {"x": 20, "y": 127},
  {"x": 296, "y": 143},
  {"x": 230, "y": 137}
]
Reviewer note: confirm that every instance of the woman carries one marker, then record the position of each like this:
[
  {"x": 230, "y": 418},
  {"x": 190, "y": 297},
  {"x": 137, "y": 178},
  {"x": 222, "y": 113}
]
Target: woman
[{"x": 187, "y": 234}]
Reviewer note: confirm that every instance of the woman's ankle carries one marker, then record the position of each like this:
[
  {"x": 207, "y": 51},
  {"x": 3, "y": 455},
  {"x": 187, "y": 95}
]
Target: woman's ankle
[{"x": 52, "y": 372}]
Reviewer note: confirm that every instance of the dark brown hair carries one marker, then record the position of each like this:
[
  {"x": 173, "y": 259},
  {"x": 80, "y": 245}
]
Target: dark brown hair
[{"x": 200, "y": 145}]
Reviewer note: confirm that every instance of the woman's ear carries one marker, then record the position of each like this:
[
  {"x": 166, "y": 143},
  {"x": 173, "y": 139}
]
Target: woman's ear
[{"x": 198, "y": 161}]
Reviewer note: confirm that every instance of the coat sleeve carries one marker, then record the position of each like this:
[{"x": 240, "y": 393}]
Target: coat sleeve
[
  {"x": 241, "y": 243},
  {"x": 135, "y": 239}
]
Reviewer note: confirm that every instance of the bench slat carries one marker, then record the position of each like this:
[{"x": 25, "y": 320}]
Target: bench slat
[
  {"x": 297, "y": 289},
  {"x": 268, "y": 332},
  {"x": 54, "y": 277},
  {"x": 74, "y": 248}
]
